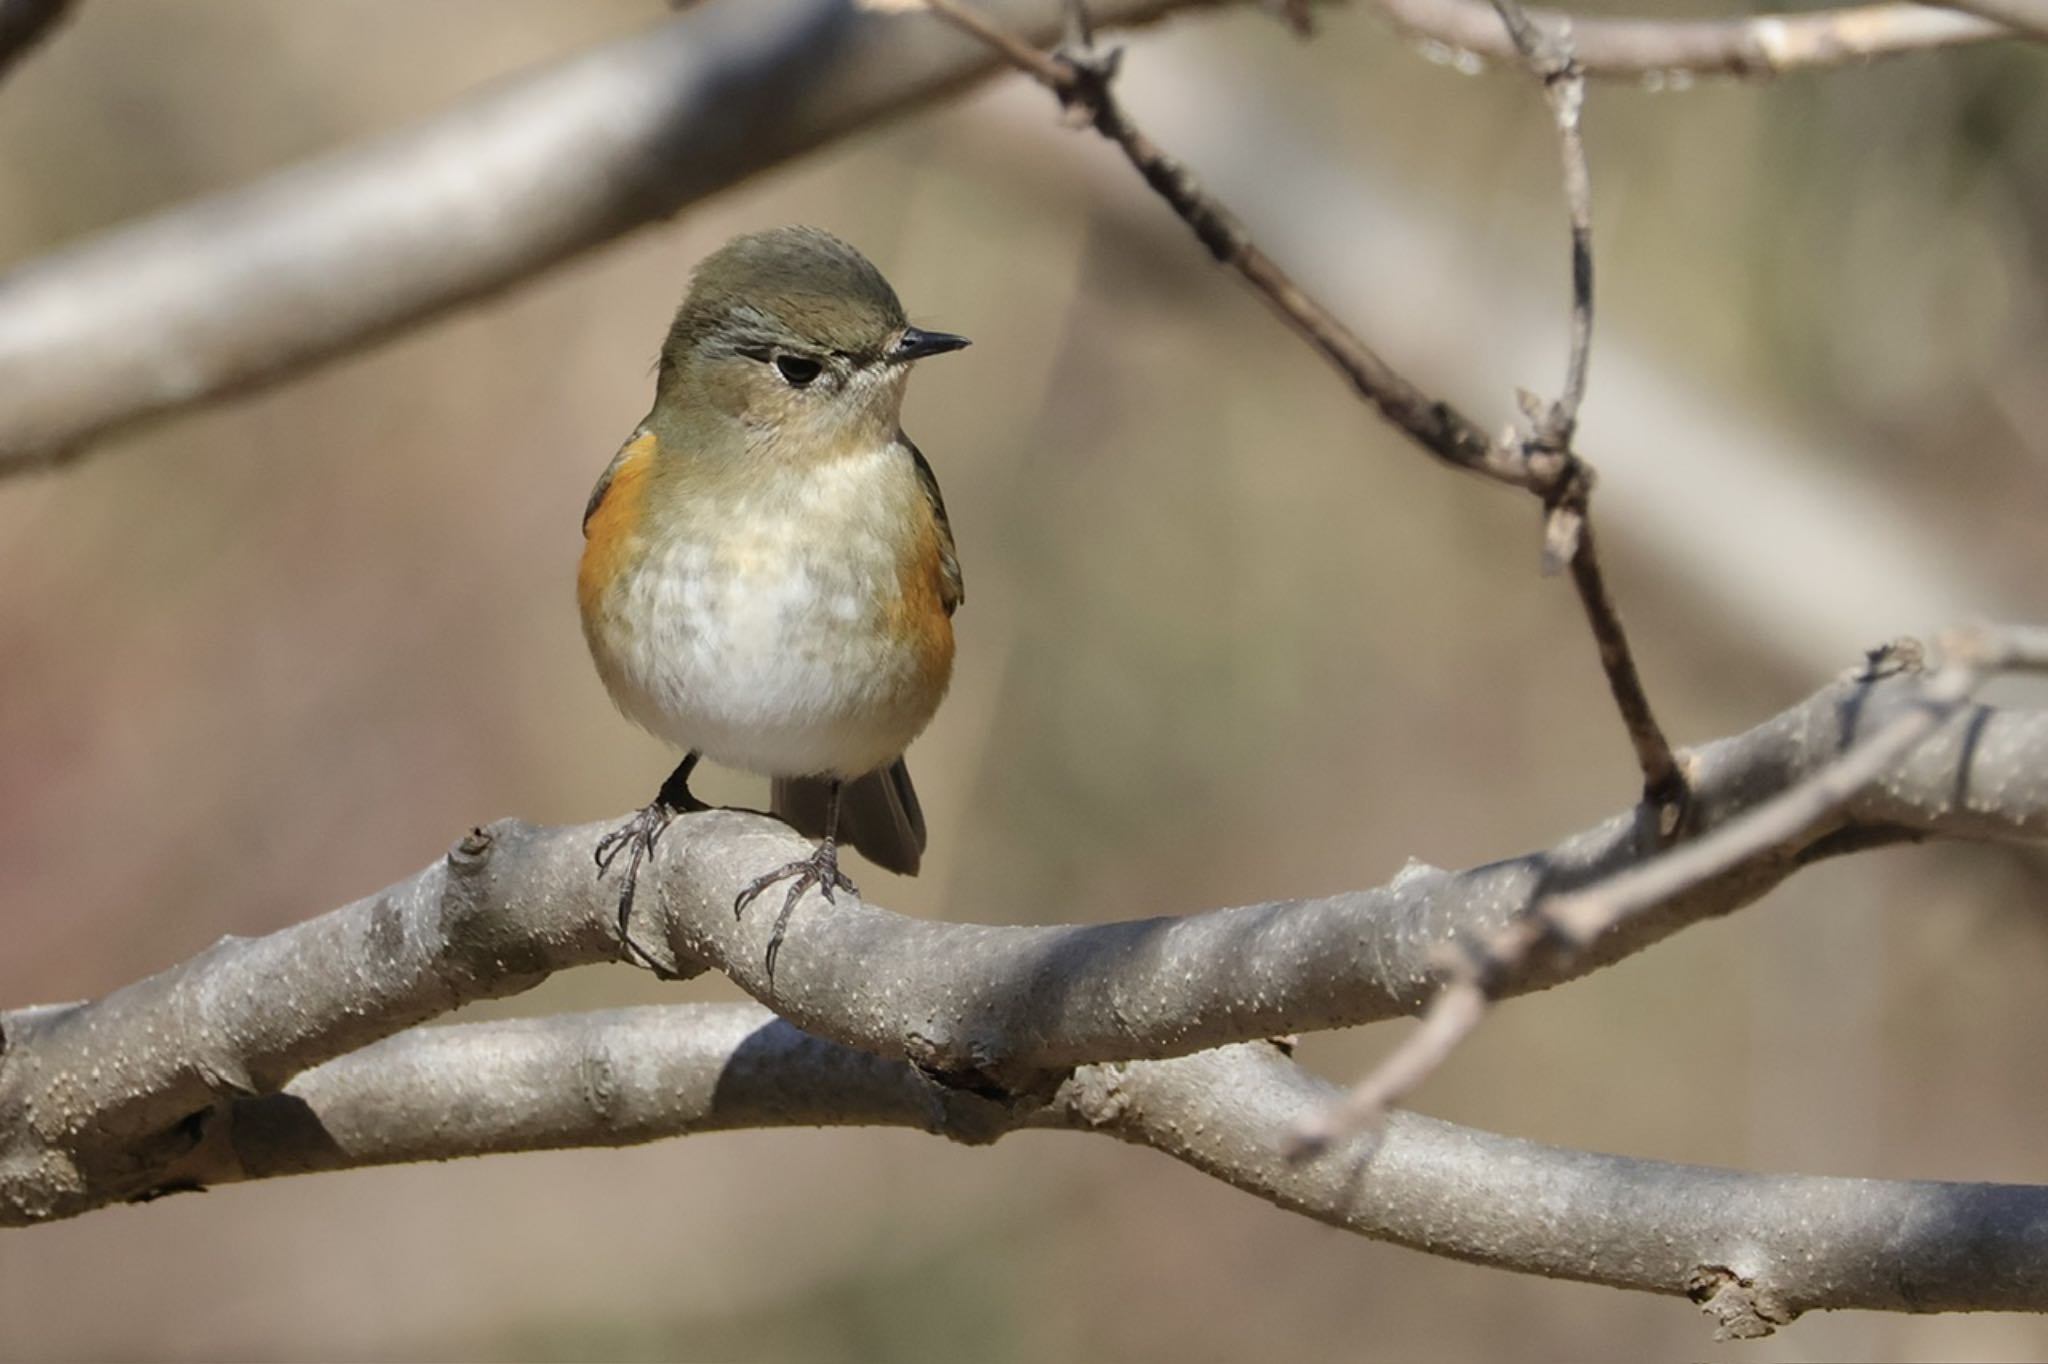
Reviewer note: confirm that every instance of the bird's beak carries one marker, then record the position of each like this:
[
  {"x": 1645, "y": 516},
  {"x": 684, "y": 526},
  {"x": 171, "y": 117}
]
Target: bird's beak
[{"x": 918, "y": 343}]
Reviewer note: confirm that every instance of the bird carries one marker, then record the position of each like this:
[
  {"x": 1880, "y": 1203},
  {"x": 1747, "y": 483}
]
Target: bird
[{"x": 768, "y": 576}]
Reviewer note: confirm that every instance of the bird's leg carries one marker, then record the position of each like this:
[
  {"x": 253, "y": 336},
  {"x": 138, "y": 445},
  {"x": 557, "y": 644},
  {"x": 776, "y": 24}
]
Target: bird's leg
[
  {"x": 820, "y": 869},
  {"x": 638, "y": 836}
]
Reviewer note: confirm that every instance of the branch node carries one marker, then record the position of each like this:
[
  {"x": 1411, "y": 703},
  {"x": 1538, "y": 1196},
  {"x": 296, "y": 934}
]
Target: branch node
[
  {"x": 1891, "y": 658},
  {"x": 1563, "y": 527},
  {"x": 1742, "y": 1309},
  {"x": 471, "y": 849},
  {"x": 1084, "y": 91}
]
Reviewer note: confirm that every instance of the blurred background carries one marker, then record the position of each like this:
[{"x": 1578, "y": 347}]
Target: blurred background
[{"x": 1226, "y": 639}]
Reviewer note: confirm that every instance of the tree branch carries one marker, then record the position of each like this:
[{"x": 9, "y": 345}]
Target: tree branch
[
  {"x": 99, "y": 1100},
  {"x": 1573, "y": 920},
  {"x": 1568, "y": 519},
  {"x": 1759, "y": 45},
  {"x": 1755, "y": 1250},
  {"x": 2024, "y": 17},
  {"x": 1081, "y": 80},
  {"x": 248, "y": 287}
]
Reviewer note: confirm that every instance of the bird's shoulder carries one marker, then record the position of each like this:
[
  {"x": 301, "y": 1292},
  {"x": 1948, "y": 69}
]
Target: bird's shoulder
[
  {"x": 622, "y": 479},
  {"x": 611, "y": 520}
]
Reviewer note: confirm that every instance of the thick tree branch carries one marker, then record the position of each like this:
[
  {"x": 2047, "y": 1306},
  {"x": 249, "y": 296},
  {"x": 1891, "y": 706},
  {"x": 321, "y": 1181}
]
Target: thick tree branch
[
  {"x": 1575, "y": 919},
  {"x": 1756, "y": 1250},
  {"x": 1755, "y": 45},
  {"x": 96, "y": 1100},
  {"x": 248, "y": 287}
]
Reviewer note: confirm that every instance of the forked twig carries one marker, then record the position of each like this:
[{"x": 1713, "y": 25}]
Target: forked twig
[
  {"x": 1574, "y": 920},
  {"x": 1080, "y": 78},
  {"x": 1568, "y": 528},
  {"x": 1543, "y": 462}
]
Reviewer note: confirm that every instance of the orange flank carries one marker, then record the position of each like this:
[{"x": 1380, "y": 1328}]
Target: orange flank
[
  {"x": 918, "y": 614},
  {"x": 612, "y": 522}
]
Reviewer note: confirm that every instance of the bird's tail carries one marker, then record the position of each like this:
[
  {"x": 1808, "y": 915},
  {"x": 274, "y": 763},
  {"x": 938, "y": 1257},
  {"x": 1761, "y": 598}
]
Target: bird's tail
[{"x": 878, "y": 814}]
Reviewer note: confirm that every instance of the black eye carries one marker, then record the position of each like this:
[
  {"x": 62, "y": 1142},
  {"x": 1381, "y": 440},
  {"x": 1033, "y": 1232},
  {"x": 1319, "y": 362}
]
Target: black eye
[{"x": 798, "y": 370}]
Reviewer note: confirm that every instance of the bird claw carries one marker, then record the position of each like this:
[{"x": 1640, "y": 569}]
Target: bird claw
[
  {"x": 820, "y": 869},
  {"x": 638, "y": 836}
]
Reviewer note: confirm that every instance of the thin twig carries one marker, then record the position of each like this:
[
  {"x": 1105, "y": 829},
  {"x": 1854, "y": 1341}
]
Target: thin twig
[
  {"x": 1664, "y": 781},
  {"x": 1550, "y": 57},
  {"x": 1081, "y": 78},
  {"x": 1568, "y": 528},
  {"x": 1453, "y": 1013},
  {"x": 1573, "y": 921}
]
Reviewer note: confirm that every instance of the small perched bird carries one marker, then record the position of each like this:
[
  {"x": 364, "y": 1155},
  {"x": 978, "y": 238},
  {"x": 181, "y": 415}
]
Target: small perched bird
[{"x": 768, "y": 575}]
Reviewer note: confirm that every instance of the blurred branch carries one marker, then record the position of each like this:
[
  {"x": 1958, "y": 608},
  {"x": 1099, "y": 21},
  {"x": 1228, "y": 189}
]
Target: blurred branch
[
  {"x": 2028, "y": 17},
  {"x": 1571, "y": 921},
  {"x": 99, "y": 1101},
  {"x": 247, "y": 287},
  {"x": 1756, "y": 45},
  {"x": 1755, "y": 1250},
  {"x": 23, "y": 24},
  {"x": 1551, "y": 60}
]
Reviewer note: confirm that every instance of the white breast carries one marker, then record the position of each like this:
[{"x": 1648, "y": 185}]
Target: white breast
[{"x": 766, "y": 642}]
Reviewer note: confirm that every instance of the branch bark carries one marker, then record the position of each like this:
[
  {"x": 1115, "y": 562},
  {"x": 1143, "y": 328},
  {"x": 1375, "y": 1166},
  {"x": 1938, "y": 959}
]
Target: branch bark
[
  {"x": 98, "y": 1101},
  {"x": 248, "y": 287},
  {"x": 1571, "y": 920},
  {"x": 1754, "y": 1250},
  {"x": 300, "y": 1051}
]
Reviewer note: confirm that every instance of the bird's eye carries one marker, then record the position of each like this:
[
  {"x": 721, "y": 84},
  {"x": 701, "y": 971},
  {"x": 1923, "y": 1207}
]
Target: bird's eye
[{"x": 797, "y": 370}]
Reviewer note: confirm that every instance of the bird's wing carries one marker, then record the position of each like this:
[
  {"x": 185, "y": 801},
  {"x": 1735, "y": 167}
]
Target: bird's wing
[{"x": 951, "y": 590}]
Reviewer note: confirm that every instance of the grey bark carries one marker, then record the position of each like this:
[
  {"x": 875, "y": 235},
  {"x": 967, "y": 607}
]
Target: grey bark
[
  {"x": 297, "y": 1051},
  {"x": 1753, "y": 1250}
]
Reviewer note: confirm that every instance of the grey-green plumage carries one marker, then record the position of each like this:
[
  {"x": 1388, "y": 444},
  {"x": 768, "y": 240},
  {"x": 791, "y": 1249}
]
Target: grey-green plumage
[{"x": 789, "y": 285}]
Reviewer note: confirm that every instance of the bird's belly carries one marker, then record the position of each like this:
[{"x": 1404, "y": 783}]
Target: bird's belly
[{"x": 774, "y": 657}]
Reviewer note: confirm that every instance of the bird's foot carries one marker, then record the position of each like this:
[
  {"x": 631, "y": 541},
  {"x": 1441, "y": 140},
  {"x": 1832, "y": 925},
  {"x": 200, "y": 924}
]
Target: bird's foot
[
  {"x": 820, "y": 869},
  {"x": 636, "y": 838}
]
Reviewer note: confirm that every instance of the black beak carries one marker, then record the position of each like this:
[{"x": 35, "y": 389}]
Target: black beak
[{"x": 917, "y": 343}]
